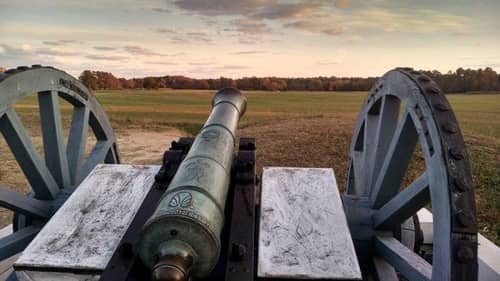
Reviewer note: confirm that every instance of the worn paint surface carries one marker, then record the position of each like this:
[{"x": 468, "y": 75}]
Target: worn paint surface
[
  {"x": 303, "y": 229},
  {"x": 86, "y": 230}
]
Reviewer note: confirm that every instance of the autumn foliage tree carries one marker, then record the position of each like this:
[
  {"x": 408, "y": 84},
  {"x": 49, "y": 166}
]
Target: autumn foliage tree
[{"x": 461, "y": 80}]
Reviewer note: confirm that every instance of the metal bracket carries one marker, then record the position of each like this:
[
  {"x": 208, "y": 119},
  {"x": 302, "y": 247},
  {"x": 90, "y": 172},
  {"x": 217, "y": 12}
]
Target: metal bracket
[{"x": 240, "y": 264}]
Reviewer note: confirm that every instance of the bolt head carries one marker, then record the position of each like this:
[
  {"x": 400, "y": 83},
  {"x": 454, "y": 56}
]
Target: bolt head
[
  {"x": 450, "y": 127},
  {"x": 464, "y": 254},
  {"x": 464, "y": 219},
  {"x": 460, "y": 185},
  {"x": 441, "y": 107},
  {"x": 456, "y": 153}
]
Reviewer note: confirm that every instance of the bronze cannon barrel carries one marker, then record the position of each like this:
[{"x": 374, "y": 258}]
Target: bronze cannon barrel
[{"x": 182, "y": 237}]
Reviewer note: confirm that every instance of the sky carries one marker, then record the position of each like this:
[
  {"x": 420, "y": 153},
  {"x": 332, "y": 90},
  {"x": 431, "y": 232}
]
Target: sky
[{"x": 209, "y": 39}]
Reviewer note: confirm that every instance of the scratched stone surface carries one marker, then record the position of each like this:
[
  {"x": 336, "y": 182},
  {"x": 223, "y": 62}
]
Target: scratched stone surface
[
  {"x": 86, "y": 230},
  {"x": 303, "y": 230}
]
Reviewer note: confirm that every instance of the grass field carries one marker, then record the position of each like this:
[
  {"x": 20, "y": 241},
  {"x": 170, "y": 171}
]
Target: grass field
[{"x": 311, "y": 129}]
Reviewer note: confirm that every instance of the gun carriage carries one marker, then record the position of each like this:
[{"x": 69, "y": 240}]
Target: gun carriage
[{"x": 200, "y": 216}]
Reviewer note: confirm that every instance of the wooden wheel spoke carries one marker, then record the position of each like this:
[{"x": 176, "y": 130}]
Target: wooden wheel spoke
[
  {"x": 385, "y": 128},
  {"x": 404, "y": 204},
  {"x": 17, "y": 241},
  {"x": 97, "y": 155},
  {"x": 111, "y": 156},
  {"x": 23, "y": 204},
  {"x": 54, "y": 173},
  {"x": 77, "y": 141},
  {"x": 53, "y": 137},
  {"x": 383, "y": 270},
  {"x": 371, "y": 120},
  {"x": 41, "y": 180},
  {"x": 357, "y": 165},
  {"x": 395, "y": 162},
  {"x": 405, "y": 261}
]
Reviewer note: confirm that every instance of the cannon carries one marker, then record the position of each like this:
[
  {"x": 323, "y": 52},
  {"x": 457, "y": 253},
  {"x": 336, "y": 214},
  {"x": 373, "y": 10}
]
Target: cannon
[
  {"x": 206, "y": 213},
  {"x": 184, "y": 232}
]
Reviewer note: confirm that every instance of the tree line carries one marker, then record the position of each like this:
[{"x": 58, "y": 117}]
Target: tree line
[{"x": 460, "y": 80}]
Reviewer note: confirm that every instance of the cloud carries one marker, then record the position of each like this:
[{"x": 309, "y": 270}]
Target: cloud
[
  {"x": 56, "y": 52},
  {"x": 328, "y": 62},
  {"x": 233, "y": 66},
  {"x": 258, "y": 9},
  {"x": 104, "y": 48},
  {"x": 201, "y": 63},
  {"x": 166, "y": 30},
  {"x": 105, "y": 58},
  {"x": 316, "y": 26},
  {"x": 247, "y": 26},
  {"x": 230, "y": 70},
  {"x": 287, "y": 10},
  {"x": 161, "y": 10},
  {"x": 181, "y": 36},
  {"x": 59, "y": 42},
  {"x": 18, "y": 50},
  {"x": 141, "y": 51},
  {"x": 223, "y": 7},
  {"x": 333, "y": 31},
  {"x": 161, "y": 62},
  {"x": 251, "y": 52},
  {"x": 342, "y": 3},
  {"x": 308, "y": 25},
  {"x": 406, "y": 20}
]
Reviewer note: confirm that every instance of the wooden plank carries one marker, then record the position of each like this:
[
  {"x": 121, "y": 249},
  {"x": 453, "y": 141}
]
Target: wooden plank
[
  {"x": 404, "y": 260},
  {"x": 86, "y": 230},
  {"x": 303, "y": 229}
]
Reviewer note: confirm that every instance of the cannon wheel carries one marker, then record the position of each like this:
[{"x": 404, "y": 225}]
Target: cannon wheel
[
  {"x": 406, "y": 109},
  {"x": 54, "y": 176}
]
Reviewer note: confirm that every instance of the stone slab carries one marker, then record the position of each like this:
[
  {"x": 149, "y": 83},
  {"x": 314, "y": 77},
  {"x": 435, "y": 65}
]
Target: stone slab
[
  {"x": 303, "y": 229},
  {"x": 85, "y": 231}
]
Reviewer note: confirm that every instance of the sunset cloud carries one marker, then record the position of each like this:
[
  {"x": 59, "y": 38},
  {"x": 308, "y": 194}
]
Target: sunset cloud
[
  {"x": 141, "y": 51},
  {"x": 251, "y": 52},
  {"x": 58, "y": 42},
  {"x": 248, "y": 37},
  {"x": 181, "y": 36},
  {"x": 106, "y": 58}
]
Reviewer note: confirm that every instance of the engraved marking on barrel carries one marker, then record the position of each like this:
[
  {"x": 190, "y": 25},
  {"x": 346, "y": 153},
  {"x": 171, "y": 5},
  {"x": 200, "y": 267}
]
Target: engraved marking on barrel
[
  {"x": 196, "y": 171},
  {"x": 193, "y": 215},
  {"x": 181, "y": 199},
  {"x": 215, "y": 139},
  {"x": 210, "y": 136}
]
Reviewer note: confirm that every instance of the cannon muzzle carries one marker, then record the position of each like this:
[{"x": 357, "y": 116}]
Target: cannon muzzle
[{"x": 182, "y": 238}]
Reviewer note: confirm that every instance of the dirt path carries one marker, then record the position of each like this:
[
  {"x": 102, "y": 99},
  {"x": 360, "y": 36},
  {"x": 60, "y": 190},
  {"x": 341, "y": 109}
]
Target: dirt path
[{"x": 145, "y": 146}]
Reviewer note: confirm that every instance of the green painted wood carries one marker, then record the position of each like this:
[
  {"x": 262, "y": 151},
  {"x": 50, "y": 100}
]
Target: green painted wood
[
  {"x": 404, "y": 204},
  {"x": 17, "y": 241},
  {"x": 53, "y": 137},
  {"x": 386, "y": 126},
  {"x": 34, "y": 168},
  {"x": 77, "y": 141},
  {"x": 395, "y": 163},
  {"x": 97, "y": 155},
  {"x": 407, "y": 262},
  {"x": 62, "y": 167},
  {"x": 23, "y": 204}
]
